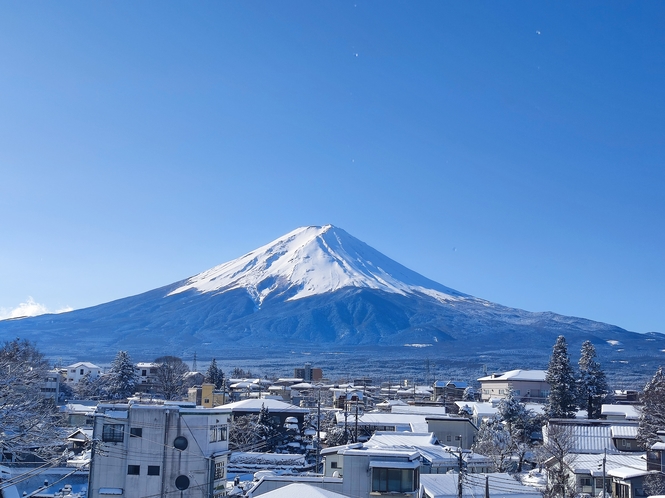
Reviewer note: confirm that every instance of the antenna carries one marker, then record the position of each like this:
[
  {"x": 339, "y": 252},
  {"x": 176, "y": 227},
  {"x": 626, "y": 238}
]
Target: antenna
[{"x": 194, "y": 363}]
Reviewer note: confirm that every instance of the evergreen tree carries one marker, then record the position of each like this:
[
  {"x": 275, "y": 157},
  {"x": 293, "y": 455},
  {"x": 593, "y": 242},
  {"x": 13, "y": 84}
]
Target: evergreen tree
[
  {"x": 652, "y": 416},
  {"x": 592, "y": 384},
  {"x": 469, "y": 394},
  {"x": 122, "y": 377},
  {"x": 215, "y": 375},
  {"x": 494, "y": 440},
  {"x": 562, "y": 400}
]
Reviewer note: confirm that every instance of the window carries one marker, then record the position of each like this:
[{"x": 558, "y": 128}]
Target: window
[
  {"x": 394, "y": 480},
  {"x": 113, "y": 433},
  {"x": 206, "y": 400},
  {"x": 449, "y": 438},
  {"x": 136, "y": 432},
  {"x": 153, "y": 470},
  {"x": 133, "y": 470},
  {"x": 585, "y": 481},
  {"x": 218, "y": 433},
  {"x": 81, "y": 372},
  {"x": 144, "y": 373},
  {"x": 333, "y": 465},
  {"x": 501, "y": 391},
  {"x": 516, "y": 392},
  {"x": 219, "y": 470}
]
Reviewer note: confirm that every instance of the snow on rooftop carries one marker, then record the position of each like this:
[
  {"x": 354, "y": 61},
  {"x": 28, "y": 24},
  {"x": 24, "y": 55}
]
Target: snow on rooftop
[
  {"x": 255, "y": 405},
  {"x": 314, "y": 260},
  {"x": 533, "y": 375}
]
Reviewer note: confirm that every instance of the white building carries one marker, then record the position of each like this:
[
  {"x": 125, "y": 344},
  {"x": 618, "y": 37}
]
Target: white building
[
  {"x": 76, "y": 371},
  {"x": 526, "y": 385},
  {"x": 155, "y": 450},
  {"x": 146, "y": 372}
]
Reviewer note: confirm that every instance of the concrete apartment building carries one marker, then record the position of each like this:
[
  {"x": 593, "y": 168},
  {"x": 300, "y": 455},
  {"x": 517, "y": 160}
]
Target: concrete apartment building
[
  {"x": 527, "y": 385},
  {"x": 155, "y": 450}
]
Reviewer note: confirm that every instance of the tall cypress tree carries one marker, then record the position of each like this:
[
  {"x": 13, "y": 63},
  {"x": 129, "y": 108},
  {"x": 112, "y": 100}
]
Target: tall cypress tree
[
  {"x": 652, "y": 416},
  {"x": 215, "y": 375},
  {"x": 562, "y": 400},
  {"x": 123, "y": 378},
  {"x": 592, "y": 384}
]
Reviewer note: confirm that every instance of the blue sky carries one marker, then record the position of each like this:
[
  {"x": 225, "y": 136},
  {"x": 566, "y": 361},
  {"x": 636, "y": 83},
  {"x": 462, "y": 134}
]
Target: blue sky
[{"x": 513, "y": 151}]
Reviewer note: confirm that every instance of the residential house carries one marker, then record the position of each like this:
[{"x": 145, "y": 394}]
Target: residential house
[
  {"x": 76, "y": 371},
  {"x": 526, "y": 385},
  {"x": 159, "y": 450},
  {"x": 447, "y": 392},
  {"x": 147, "y": 375},
  {"x": 278, "y": 410},
  {"x": 452, "y": 431}
]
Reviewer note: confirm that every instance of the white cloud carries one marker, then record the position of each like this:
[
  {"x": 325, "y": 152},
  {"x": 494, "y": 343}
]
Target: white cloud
[{"x": 28, "y": 308}]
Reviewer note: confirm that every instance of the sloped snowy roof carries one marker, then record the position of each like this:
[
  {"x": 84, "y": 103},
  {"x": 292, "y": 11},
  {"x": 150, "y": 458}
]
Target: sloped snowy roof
[
  {"x": 629, "y": 412},
  {"x": 624, "y": 431},
  {"x": 473, "y": 486},
  {"x": 593, "y": 463},
  {"x": 589, "y": 438},
  {"x": 83, "y": 364},
  {"x": 255, "y": 405},
  {"x": 533, "y": 375},
  {"x": 302, "y": 489}
]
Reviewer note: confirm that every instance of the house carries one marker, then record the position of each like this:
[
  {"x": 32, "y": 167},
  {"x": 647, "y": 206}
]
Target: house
[
  {"x": 620, "y": 412},
  {"x": 628, "y": 482},
  {"x": 147, "y": 375},
  {"x": 278, "y": 410},
  {"x": 159, "y": 450},
  {"x": 451, "y": 430},
  {"x": 447, "y": 392},
  {"x": 587, "y": 470},
  {"x": 598, "y": 436},
  {"x": 526, "y": 385},
  {"x": 76, "y": 371},
  {"x": 50, "y": 387}
]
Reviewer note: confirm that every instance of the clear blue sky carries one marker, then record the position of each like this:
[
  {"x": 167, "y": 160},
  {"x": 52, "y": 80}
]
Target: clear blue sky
[{"x": 511, "y": 150}]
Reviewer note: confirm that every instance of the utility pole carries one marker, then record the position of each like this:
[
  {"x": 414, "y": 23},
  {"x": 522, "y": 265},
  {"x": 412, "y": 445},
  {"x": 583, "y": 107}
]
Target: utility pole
[
  {"x": 460, "y": 475},
  {"x": 604, "y": 460},
  {"x": 318, "y": 433},
  {"x": 355, "y": 439}
]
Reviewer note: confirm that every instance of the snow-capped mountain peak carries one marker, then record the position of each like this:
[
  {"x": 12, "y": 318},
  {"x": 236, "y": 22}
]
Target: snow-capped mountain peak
[{"x": 310, "y": 261}]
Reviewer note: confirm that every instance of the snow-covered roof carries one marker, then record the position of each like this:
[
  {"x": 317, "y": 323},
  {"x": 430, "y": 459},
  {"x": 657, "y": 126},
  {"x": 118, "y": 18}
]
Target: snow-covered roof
[
  {"x": 588, "y": 438},
  {"x": 627, "y": 472},
  {"x": 533, "y": 375},
  {"x": 629, "y": 412},
  {"x": 301, "y": 489},
  {"x": 422, "y": 410},
  {"x": 255, "y": 405},
  {"x": 500, "y": 486},
  {"x": 592, "y": 464},
  {"x": 401, "y": 422},
  {"x": 479, "y": 408},
  {"x": 624, "y": 431},
  {"x": 83, "y": 364},
  {"x": 386, "y": 438}
]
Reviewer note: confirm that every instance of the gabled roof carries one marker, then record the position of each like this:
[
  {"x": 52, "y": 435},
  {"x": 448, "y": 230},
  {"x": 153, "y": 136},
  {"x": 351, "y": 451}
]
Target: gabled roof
[
  {"x": 83, "y": 364},
  {"x": 302, "y": 489},
  {"x": 255, "y": 405},
  {"x": 532, "y": 375}
]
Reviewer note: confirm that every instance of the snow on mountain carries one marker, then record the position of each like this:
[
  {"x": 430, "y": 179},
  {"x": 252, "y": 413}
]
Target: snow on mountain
[{"x": 314, "y": 260}]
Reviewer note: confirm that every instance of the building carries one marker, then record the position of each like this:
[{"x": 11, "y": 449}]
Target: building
[
  {"x": 159, "y": 450},
  {"x": 447, "y": 392},
  {"x": 206, "y": 395},
  {"x": 308, "y": 374},
  {"x": 526, "y": 385},
  {"x": 50, "y": 387},
  {"x": 76, "y": 371},
  {"x": 146, "y": 373}
]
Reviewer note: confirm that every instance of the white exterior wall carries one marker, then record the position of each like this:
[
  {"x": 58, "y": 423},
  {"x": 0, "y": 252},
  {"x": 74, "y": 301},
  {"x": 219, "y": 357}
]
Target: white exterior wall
[
  {"x": 154, "y": 449},
  {"x": 79, "y": 370}
]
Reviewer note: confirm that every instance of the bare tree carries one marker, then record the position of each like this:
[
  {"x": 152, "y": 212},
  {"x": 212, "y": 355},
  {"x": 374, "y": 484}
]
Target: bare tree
[
  {"x": 557, "y": 453},
  {"x": 170, "y": 376},
  {"x": 28, "y": 420}
]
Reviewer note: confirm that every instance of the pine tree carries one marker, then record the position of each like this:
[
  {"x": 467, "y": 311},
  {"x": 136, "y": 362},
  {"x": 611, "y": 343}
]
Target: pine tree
[
  {"x": 591, "y": 383},
  {"x": 122, "y": 377},
  {"x": 215, "y": 375},
  {"x": 562, "y": 400},
  {"x": 652, "y": 416}
]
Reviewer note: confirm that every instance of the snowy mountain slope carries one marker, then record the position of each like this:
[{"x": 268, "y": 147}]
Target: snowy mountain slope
[
  {"x": 314, "y": 260},
  {"x": 320, "y": 288}
]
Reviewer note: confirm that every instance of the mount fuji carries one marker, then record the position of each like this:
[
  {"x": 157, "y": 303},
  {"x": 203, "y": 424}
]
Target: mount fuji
[{"x": 321, "y": 289}]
